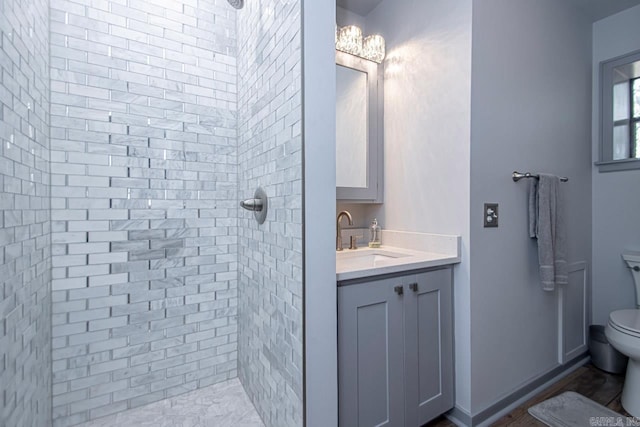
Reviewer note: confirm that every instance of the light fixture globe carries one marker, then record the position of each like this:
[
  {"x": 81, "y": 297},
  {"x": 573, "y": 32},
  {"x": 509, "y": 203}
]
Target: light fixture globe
[
  {"x": 350, "y": 39},
  {"x": 373, "y": 48}
]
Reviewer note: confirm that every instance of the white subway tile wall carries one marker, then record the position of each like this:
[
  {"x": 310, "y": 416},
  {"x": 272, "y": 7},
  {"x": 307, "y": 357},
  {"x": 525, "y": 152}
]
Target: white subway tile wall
[
  {"x": 144, "y": 174},
  {"x": 25, "y": 219},
  {"x": 120, "y": 224},
  {"x": 270, "y": 255}
]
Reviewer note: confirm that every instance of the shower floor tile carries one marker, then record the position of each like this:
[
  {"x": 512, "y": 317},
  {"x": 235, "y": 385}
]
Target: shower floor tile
[{"x": 220, "y": 405}]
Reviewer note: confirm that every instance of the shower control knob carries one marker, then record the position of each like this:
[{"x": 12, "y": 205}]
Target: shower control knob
[
  {"x": 258, "y": 205},
  {"x": 252, "y": 204}
]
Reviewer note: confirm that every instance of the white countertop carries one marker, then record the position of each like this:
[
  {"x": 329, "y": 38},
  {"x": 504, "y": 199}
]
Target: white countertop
[
  {"x": 367, "y": 262},
  {"x": 400, "y": 251}
]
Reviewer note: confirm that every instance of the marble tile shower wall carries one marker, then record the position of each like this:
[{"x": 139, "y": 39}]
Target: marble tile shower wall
[
  {"x": 144, "y": 201},
  {"x": 25, "y": 221},
  {"x": 270, "y": 255}
]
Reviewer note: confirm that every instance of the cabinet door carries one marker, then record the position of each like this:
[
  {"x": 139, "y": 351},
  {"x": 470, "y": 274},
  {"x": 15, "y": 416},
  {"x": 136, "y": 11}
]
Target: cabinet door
[
  {"x": 428, "y": 346},
  {"x": 370, "y": 360}
]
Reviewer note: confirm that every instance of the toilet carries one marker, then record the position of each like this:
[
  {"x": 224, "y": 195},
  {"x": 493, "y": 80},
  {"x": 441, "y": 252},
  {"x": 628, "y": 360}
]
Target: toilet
[{"x": 623, "y": 332}]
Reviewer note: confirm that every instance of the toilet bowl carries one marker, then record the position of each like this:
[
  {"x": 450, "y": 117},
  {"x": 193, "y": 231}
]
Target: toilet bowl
[{"x": 623, "y": 333}]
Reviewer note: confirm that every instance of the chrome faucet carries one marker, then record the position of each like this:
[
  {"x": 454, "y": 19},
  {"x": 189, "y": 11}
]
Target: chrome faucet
[{"x": 339, "y": 229}]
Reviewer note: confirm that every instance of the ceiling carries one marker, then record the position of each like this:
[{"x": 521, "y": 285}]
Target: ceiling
[
  {"x": 598, "y": 9},
  {"x": 361, "y": 7},
  {"x": 595, "y": 9}
]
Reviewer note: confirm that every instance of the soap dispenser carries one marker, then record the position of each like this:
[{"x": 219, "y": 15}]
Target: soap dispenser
[{"x": 374, "y": 234}]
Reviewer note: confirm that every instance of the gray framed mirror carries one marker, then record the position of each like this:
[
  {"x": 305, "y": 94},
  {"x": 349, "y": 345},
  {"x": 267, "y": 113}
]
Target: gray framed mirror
[
  {"x": 359, "y": 129},
  {"x": 620, "y": 113}
]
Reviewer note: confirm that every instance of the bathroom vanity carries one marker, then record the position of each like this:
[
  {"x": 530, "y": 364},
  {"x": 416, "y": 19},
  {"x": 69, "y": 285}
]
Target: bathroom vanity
[{"x": 395, "y": 331}]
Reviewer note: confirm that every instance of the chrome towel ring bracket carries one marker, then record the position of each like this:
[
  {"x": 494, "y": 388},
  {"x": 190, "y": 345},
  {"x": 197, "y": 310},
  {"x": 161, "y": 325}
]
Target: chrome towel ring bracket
[{"x": 259, "y": 205}]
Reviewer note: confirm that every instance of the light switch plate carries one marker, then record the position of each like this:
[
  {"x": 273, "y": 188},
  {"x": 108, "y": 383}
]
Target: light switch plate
[{"x": 490, "y": 215}]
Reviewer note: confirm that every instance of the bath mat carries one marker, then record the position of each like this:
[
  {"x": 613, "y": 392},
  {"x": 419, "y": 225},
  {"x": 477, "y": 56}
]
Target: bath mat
[{"x": 573, "y": 410}]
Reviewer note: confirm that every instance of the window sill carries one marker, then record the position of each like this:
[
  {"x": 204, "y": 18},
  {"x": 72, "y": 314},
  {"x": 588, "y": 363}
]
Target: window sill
[{"x": 618, "y": 165}]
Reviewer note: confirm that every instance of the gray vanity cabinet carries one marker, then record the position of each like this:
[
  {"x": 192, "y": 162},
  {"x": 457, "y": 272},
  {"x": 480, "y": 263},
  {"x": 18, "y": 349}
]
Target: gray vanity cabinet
[
  {"x": 428, "y": 346},
  {"x": 395, "y": 349},
  {"x": 370, "y": 384}
]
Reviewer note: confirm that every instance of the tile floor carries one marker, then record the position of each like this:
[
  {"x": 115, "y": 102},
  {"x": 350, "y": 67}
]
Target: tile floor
[
  {"x": 227, "y": 405},
  {"x": 220, "y": 405}
]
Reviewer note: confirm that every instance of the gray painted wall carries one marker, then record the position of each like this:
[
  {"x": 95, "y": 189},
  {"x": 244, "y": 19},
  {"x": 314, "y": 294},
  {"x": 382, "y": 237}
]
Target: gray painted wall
[
  {"x": 531, "y": 97},
  {"x": 270, "y": 254},
  {"x": 25, "y": 219},
  {"x": 144, "y": 202},
  {"x": 615, "y": 201}
]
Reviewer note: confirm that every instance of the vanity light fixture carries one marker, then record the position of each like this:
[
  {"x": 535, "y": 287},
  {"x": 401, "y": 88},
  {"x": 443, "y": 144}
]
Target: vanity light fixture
[
  {"x": 349, "y": 40},
  {"x": 373, "y": 48}
]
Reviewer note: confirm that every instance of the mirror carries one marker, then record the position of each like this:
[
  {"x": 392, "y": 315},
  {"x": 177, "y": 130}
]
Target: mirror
[
  {"x": 620, "y": 113},
  {"x": 359, "y": 143},
  {"x": 351, "y": 127}
]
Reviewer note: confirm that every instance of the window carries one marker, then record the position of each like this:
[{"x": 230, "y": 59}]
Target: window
[
  {"x": 620, "y": 113},
  {"x": 626, "y": 119}
]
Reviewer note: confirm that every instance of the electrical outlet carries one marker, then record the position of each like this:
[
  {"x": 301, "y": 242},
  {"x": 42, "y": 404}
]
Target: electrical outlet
[{"x": 490, "y": 214}]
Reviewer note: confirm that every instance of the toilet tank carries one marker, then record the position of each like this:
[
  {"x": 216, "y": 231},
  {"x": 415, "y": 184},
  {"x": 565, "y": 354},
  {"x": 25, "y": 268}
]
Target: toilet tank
[{"x": 632, "y": 260}]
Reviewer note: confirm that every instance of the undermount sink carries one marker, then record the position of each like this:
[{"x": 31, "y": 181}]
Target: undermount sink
[
  {"x": 378, "y": 258},
  {"x": 368, "y": 259}
]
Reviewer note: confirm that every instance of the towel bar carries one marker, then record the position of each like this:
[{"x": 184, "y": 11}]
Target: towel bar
[{"x": 517, "y": 176}]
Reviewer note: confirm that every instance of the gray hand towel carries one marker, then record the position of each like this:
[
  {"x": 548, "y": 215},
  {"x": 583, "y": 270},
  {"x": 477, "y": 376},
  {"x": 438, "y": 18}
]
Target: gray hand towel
[
  {"x": 533, "y": 208},
  {"x": 551, "y": 233}
]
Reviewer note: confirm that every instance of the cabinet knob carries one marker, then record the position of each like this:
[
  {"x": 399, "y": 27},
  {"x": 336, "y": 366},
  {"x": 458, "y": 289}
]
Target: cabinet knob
[
  {"x": 398, "y": 289},
  {"x": 414, "y": 287}
]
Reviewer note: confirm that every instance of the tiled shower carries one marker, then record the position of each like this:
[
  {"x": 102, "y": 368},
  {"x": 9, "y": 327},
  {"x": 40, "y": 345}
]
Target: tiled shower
[{"x": 130, "y": 131}]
